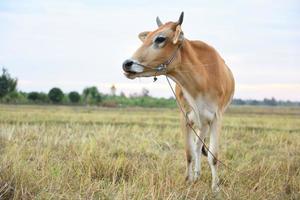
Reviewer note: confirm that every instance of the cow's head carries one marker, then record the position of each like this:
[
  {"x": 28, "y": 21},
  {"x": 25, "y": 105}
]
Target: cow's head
[{"x": 156, "y": 49}]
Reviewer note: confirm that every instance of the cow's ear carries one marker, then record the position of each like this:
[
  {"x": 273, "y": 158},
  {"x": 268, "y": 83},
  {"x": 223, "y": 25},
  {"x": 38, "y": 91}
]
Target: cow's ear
[
  {"x": 143, "y": 35},
  {"x": 178, "y": 35}
]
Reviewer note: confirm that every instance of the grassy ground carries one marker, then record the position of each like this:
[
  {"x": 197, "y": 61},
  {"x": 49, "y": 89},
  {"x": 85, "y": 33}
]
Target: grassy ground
[{"x": 95, "y": 153}]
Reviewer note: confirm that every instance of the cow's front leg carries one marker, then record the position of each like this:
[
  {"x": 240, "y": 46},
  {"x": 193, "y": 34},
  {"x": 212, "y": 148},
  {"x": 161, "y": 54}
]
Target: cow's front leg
[
  {"x": 190, "y": 150},
  {"x": 190, "y": 147},
  {"x": 199, "y": 144}
]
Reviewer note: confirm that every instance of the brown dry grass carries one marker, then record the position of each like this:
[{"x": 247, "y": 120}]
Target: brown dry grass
[{"x": 95, "y": 153}]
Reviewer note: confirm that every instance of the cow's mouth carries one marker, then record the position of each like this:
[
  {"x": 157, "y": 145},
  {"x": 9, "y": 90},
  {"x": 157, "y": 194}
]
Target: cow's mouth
[
  {"x": 133, "y": 75},
  {"x": 130, "y": 74}
]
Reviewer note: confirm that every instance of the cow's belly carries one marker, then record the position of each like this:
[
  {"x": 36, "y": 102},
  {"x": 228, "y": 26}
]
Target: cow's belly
[{"x": 202, "y": 110}]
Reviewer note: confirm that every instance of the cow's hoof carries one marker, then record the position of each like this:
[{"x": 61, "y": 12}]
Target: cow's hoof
[
  {"x": 215, "y": 186},
  {"x": 189, "y": 179},
  {"x": 196, "y": 175}
]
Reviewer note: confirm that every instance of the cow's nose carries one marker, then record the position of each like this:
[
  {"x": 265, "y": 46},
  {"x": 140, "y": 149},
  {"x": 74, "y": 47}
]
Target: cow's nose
[{"x": 127, "y": 65}]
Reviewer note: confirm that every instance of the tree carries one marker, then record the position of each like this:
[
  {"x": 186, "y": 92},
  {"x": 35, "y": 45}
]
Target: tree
[
  {"x": 7, "y": 84},
  {"x": 56, "y": 95},
  {"x": 91, "y": 95},
  {"x": 33, "y": 96},
  {"x": 74, "y": 97},
  {"x": 270, "y": 102},
  {"x": 238, "y": 102}
]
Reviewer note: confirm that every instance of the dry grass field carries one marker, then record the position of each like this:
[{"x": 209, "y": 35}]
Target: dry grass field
[{"x": 56, "y": 152}]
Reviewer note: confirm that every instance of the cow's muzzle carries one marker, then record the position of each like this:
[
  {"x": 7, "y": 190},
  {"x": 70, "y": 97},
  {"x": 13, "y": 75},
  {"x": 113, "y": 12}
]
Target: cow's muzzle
[{"x": 127, "y": 65}]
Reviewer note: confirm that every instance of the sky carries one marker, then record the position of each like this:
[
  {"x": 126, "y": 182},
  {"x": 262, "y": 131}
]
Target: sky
[{"x": 80, "y": 43}]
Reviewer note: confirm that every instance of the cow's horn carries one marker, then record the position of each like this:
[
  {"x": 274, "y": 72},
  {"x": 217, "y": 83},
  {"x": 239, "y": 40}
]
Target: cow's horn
[
  {"x": 180, "y": 20},
  {"x": 159, "y": 23}
]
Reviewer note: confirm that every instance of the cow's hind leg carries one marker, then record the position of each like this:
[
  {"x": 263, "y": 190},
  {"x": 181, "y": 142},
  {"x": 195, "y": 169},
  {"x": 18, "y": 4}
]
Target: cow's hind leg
[{"x": 213, "y": 148}]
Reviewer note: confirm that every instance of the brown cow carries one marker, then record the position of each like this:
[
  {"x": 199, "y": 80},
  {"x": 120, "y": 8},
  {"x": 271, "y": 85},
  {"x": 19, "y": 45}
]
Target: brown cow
[{"x": 204, "y": 86}]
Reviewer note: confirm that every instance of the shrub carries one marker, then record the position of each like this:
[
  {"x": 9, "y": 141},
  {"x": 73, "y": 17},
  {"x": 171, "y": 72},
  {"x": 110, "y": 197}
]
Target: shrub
[
  {"x": 33, "y": 96},
  {"x": 37, "y": 97},
  {"x": 13, "y": 97},
  {"x": 110, "y": 104},
  {"x": 91, "y": 95}
]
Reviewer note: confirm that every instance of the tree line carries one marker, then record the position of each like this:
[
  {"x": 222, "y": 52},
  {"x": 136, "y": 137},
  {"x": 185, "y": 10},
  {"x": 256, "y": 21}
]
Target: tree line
[
  {"x": 89, "y": 96},
  {"x": 92, "y": 96}
]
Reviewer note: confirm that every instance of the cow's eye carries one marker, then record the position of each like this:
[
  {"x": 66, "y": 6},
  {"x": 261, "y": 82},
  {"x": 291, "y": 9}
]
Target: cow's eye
[{"x": 159, "y": 39}]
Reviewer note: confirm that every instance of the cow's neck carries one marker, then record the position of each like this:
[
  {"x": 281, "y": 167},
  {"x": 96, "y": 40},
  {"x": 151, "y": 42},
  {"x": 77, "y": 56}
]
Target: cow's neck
[{"x": 186, "y": 74}]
